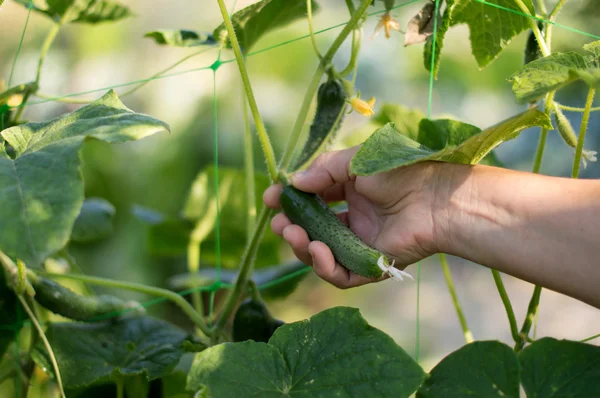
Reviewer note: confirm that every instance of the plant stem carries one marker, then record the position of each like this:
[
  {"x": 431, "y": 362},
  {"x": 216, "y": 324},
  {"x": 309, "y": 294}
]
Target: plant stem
[
  {"x": 590, "y": 338},
  {"x": 533, "y": 24},
  {"x": 351, "y": 8},
  {"x": 507, "y": 306},
  {"x": 534, "y": 302},
  {"x": 450, "y": 283},
  {"x": 551, "y": 19},
  {"x": 314, "y": 84},
  {"x": 582, "y": 131},
  {"x": 42, "y": 335},
  {"x": 356, "y": 43},
  {"x": 45, "y": 48},
  {"x": 542, "y": 6},
  {"x": 310, "y": 28},
  {"x": 136, "y": 287},
  {"x": 249, "y": 169},
  {"x": 574, "y": 109},
  {"x": 120, "y": 387},
  {"x": 246, "y": 268},
  {"x": 260, "y": 127}
]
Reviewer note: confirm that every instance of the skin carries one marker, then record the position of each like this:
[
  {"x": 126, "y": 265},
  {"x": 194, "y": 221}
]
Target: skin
[{"x": 537, "y": 228}]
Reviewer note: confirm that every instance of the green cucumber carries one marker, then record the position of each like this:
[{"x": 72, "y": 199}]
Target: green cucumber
[
  {"x": 331, "y": 101},
  {"x": 253, "y": 321},
  {"x": 65, "y": 302},
  {"x": 311, "y": 213},
  {"x": 532, "y": 48}
]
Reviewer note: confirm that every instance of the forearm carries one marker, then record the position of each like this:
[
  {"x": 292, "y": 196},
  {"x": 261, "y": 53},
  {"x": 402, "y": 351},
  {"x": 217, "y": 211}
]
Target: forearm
[{"x": 537, "y": 228}]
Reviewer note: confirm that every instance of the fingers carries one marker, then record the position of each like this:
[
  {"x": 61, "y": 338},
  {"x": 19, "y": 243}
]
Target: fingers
[
  {"x": 299, "y": 241},
  {"x": 329, "y": 270},
  {"x": 271, "y": 196},
  {"x": 327, "y": 170}
]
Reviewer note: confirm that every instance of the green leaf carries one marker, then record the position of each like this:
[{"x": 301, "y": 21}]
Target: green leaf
[
  {"x": 42, "y": 189},
  {"x": 492, "y": 29},
  {"x": 590, "y": 76},
  {"x": 593, "y": 47},
  {"x": 94, "y": 353},
  {"x": 180, "y": 38},
  {"x": 94, "y": 222},
  {"x": 289, "y": 275},
  {"x": 438, "y": 134},
  {"x": 334, "y": 353},
  {"x": 252, "y": 22},
  {"x": 442, "y": 28},
  {"x": 388, "y": 148},
  {"x": 479, "y": 369},
  {"x": 560, "y": 368},
  {"x": 82, "y": 11},
  {"x": 169, "y": 237},
  {"x": 539, "y": 77},
  {"x": 10, "y": 314}
]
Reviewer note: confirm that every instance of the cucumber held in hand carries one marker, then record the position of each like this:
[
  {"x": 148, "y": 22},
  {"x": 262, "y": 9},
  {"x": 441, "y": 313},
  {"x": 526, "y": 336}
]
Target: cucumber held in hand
[
  {"x": 311, "y": 213},
  {"x": 65, "y": 302},
  {"x": 331, "y": 100}
]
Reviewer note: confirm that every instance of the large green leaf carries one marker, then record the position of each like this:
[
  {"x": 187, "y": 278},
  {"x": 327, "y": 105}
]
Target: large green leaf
[
  {"x": 179, "y": 38},
  {"x": 41, "y": 190},
  {"x": 388, "y": 148},
  {"x": 333, "y": 354},
  {"x": 438, "y": 134},
  {"x": 10, "y": 313},
  {"x": 252, "y": 22},
  {"x": 492, "y": 28},
  {"x": 93, "y": 353},
  {"x": 94, "y": 222},
  {"x": 560, "y": 368},
  {"x": 198, "y": 226},
  {"x": 83, "y": 11},
  {"x": 539, "y": 77},
  {"x": 479, "y": 369}
]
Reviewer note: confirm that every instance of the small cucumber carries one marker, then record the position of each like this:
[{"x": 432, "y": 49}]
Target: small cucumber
[
  {"x": 532, "y": 48},
  {"x": 331, "y": 101},
  {"x": 311, "y": 213},
  {"x": 253, "y": 321},
  {"x": 65, "y": 302}
]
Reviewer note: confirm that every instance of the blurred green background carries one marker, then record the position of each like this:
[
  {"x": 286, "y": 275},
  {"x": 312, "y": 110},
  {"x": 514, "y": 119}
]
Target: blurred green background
[{"x": 157, "y": 172}]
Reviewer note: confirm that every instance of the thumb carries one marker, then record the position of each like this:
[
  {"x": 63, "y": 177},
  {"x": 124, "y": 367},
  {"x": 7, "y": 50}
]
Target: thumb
[{"x": 328, "y": 169}]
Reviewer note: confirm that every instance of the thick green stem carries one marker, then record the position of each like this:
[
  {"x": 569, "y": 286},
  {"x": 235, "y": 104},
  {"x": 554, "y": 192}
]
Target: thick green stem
[
  {"x": 246, "y": 268},
  {"x": 314, "y": 83},
  {"x": 459, "y": 312},
  {"x": 136, "y": 287},
  {"x": 249, "y": 169},
  {"x": 539, "y": 153},
  {"x": 507, "y": 306},
  {"x": 582, "y": 131},
  {"x": 260, "y": 126},
  {"x": 120, "y": 387},
  {"x": 536, "y": 31},
  {"x": 42, "y": 335}
]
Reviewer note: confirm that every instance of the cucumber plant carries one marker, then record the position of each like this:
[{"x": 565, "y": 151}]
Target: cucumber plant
[{"x": 83, "y": 344}]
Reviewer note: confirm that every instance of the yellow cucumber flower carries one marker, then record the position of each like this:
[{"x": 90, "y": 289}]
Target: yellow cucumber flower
[
  {"x": 387, "y": 22},
  {"x": 363, "y": 107}
]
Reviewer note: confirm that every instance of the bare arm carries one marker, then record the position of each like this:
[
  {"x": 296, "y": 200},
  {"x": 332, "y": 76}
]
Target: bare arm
[{"x": 537, "y": 228}]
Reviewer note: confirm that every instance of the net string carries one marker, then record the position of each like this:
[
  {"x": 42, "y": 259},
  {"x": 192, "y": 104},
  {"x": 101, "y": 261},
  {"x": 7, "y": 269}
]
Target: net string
[{"x": 218, "y": 284}]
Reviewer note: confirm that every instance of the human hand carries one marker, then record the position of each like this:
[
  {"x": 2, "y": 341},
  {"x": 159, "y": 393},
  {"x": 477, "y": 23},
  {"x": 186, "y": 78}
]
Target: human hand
[{"x": 400, "y": 212}]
